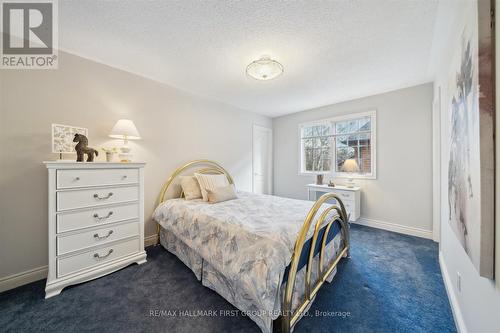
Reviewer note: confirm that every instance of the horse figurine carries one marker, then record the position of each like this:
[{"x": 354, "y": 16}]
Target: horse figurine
[{"x": 81, "y": 148}]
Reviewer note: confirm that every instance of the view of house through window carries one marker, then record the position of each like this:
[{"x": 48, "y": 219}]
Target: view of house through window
[{"x": 326, "y": 144}]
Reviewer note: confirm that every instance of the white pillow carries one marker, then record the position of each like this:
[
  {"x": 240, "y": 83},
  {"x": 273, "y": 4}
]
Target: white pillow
[
  {"x": 190, "y": 187},
  {"x": 210, "y": 182},
  {"x": 221, "y": 194}
]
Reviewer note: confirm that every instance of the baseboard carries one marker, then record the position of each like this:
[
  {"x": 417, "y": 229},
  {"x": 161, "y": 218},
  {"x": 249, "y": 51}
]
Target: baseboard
[
  {"x": 19, "y": 279},
  {"x": 455, "y": 308},
  {"x": 402, "y": 229},
  {"x": 150, "y": 240},
  {"x": 35, "y": 274}
]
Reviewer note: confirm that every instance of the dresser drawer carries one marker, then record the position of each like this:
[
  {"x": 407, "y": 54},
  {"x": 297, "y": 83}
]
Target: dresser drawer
[
  {"x": 96, "y": 257},
  {"x": 346, "y": 195},
  {"x": 95, "y": 177},
  {"x": 87, "y": 239},
  {"x": 348, "y": 205},
  {"x": 95, "y": 197},
  {"x": 68, "y": 221}
]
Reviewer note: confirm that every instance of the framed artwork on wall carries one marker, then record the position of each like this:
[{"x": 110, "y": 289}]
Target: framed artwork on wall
[
  {"x": 471, "y": 166},
  {"x": 62, "y": 138}
]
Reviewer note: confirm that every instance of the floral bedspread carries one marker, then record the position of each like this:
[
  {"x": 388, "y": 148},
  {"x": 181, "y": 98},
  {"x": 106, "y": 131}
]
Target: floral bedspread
[{"x": 250, "y": 239}]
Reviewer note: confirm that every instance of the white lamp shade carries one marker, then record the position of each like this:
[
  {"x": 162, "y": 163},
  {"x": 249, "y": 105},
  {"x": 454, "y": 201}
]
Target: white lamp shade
[
  {"x": 350, "y": 165},
  {"x": 125, "y": 129}
]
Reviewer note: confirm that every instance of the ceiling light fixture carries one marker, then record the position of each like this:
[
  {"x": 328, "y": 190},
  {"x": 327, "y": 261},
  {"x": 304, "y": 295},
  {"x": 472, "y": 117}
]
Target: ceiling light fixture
[{"x": 264, "y": 69}]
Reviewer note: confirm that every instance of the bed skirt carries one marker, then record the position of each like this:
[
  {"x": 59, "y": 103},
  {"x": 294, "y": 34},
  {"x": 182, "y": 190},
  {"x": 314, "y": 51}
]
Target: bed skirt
[{"x": 213, "y": 279}]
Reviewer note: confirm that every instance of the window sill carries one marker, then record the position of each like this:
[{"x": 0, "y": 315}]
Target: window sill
[
  {"x": 347, "y": 176},
  {"x": 326, "y": 173},
  {"x": 337, "y": 175}
]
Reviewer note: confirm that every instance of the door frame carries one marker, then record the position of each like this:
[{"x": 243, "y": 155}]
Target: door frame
[
  {"x": 270, "y": 157},
  {"x": 436, "y": 164}
]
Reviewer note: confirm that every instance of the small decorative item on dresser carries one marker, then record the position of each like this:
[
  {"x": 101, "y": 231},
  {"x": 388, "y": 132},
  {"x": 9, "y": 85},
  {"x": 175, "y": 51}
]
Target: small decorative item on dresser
[
  {"x": 331, "y": 183},
  {"x": 110, "y": 154},
  {"x": 82, "y": 148},
  {"x": 62, "y": 138},
  {"x": 126, "y": 130},
  {"x": 319, "y": 179}
]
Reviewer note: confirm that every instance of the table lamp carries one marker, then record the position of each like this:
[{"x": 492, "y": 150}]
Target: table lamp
[
  {"x": 125, "y": 129},
  {"x": 350, "y": 166}
]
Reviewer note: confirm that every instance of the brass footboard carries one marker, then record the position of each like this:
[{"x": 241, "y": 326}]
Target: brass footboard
[{"x": 333, "y": 213}]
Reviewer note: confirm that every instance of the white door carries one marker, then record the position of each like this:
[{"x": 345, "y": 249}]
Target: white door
[{"x": 262, "y": 159}]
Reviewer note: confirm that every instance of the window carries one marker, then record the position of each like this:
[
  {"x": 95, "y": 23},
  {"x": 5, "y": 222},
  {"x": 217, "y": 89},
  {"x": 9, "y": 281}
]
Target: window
[{"x": 325, "y": 145}]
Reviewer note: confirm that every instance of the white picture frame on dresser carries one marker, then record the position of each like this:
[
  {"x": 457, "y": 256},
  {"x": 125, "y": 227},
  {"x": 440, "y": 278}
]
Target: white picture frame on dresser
[
  {"x": 95, "y": 220},
  {"x": 350, "y": 196}
]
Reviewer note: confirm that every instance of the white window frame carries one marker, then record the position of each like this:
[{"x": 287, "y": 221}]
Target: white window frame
[{"x": 373, "y": 143}]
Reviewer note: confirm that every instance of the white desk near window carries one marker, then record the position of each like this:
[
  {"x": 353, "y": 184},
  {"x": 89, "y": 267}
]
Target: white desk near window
[{"x": 350, "y": 196}]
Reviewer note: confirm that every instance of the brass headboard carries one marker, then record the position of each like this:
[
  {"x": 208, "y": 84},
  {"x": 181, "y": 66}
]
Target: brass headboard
[{"x": 210, "y": 167}]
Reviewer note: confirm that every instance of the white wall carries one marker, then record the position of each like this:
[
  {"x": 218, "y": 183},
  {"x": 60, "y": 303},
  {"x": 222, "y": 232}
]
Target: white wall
[
  {"x": 175, "y": 127},
  {"x": 402, "y": 193},
  {"x": 477, "y": 306}
]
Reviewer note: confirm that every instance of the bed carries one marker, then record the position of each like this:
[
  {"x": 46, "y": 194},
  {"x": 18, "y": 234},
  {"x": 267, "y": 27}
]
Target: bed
[{"x": 266, "y": 255}]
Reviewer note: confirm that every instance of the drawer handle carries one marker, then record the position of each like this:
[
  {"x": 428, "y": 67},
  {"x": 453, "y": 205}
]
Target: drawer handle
[
  {"x": 77, "y": 179},
  {"x": 96, "y": 196},
  {"x": 97, "y": 256},
  {"x": 345, "y": 195},
  {"x": 102, "y": 217},
  {"x": 124, "y": 177},
  {"x": 103, "y": 237}
]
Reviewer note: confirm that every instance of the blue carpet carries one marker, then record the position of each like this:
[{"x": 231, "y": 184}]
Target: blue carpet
[{"x": 392, "y": 283}]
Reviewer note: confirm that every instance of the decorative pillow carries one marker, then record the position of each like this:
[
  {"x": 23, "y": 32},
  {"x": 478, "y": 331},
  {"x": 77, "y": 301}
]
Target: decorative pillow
[
  {"x": 190, "y": 187},
  {"x": 210, "y": 182},
  {"x": 221, "y": 194}
]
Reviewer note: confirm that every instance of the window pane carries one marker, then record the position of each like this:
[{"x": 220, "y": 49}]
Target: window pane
[
  {"x": 308, "y": 143},
  {"x": 308, "y": 159},
  {"x": 364, "y": 139},
  {"x": 341, "y": 141},
  {"x": 316, "y": 142},
  {"x": 321, "y": 130},
  {"x": 365, "y": 124},
  {"x": 316, "y": 131},
  {"x": 353, "y": 126},
  {"x": 342, "y": 155},
  {"x": 365, "y": 162},
  {"x": 326, "y": 158},
  {"x": 325, "y": 142},
  {"x": 316, "y": 157},
  {"x": 352, "y": 141},
  {"x": 306, "y": 132},
  {"x": 317, "y": 149},
  {"x": 326, "y": 130},
  {"x": 327, "y": 164},
  {"x": 341, "y": 127}
]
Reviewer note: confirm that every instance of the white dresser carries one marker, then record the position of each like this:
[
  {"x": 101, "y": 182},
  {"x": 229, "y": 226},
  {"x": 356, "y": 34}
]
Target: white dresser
[
  {"x": 96, "y": 220},
  {"x": 350, "y": 196}
]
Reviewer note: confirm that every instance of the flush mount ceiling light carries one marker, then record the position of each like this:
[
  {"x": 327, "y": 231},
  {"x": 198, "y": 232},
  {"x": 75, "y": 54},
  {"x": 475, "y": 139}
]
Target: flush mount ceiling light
[{"x": 264, "y": 69}]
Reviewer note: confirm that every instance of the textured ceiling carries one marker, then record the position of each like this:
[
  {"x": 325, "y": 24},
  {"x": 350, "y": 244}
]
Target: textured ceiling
[{"x": 331, "y": 50}]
